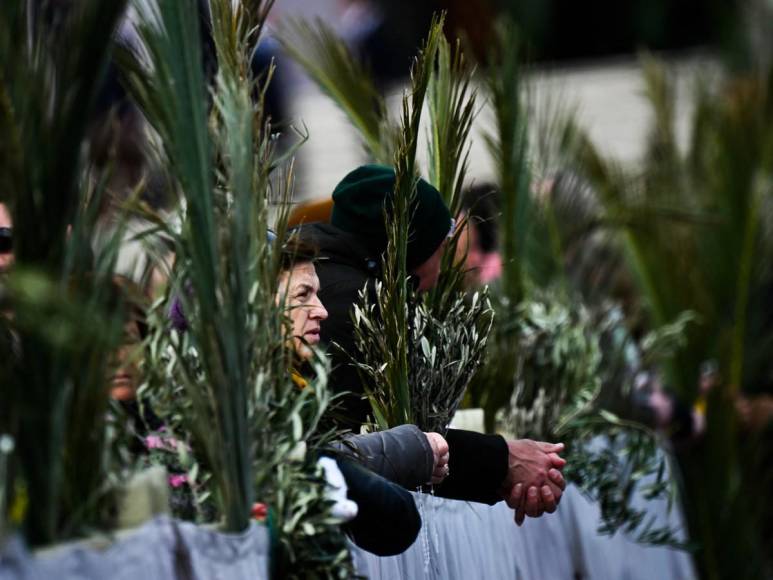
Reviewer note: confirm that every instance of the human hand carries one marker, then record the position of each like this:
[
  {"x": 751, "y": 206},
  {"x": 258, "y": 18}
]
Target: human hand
[
  {"x": 440, "y": 453},
  {"x": 534, "y": 483}
]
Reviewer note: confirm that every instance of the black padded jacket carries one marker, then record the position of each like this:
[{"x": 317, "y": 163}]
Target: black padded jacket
[{"x": 478, "y": 463}]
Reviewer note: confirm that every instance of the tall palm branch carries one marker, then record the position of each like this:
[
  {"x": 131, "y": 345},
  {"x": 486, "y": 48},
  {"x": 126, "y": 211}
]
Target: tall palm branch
[
  {"x": 243, "y": 413},
  {"x": 452, "y": 110},
  {"x": 66, "y": 321}
]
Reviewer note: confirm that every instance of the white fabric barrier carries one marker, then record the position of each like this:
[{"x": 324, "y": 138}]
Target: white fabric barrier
[
  {"x": 161, "y": 549},
  {"x": 458, "y": 540},
  {"x": 462, "y": 540}
]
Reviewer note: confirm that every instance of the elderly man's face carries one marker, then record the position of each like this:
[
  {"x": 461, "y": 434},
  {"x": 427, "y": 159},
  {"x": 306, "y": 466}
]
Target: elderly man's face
[
  {"x": 6, "y": 239},
  {"x": 300, "y": 287}
]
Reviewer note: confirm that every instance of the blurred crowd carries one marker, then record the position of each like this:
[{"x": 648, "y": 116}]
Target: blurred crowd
[{"x": 337, "y": 238}]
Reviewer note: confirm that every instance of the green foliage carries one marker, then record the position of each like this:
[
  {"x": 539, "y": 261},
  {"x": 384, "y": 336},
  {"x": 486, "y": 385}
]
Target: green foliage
[
  {"x": 528, "y": 258},
  {"x": 550, "y": 372},
  {"x": 419, "y": 353},
  {"x": 509, "y": 148},
  {"x": 67, "y": 319},
  {"x": 307, "y": 540},
  {"x": 391, "y": 395},
  {"x": 694, "y": 236},
  {"x": 393, "y": 350},
  {"x": 443, "y": 356},
  {"x": 176, "y": 103},
  {"x": 624, "y": 462},
  {"x": 393, "y": 304},
  {"x": 558, "y": 360},
  {"x": 309, "y": 543},
  {"x": 451, "y": 103},
  {"x": 241, "y": 411},
  {"x": 570, "y": 366}
]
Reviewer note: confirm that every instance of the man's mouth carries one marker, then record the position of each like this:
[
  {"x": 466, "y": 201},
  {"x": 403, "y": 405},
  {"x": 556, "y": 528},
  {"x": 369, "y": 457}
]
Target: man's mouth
[{"x": 312, "y": 336}]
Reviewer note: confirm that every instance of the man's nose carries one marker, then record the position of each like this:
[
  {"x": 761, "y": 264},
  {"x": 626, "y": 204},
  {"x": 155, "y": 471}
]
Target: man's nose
[{"x": 318, "y": 312}]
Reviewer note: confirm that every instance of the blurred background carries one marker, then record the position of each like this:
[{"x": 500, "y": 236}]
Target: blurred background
[
  {"x": 630, "y": 274},
  {"x": 580, "y": 55}
]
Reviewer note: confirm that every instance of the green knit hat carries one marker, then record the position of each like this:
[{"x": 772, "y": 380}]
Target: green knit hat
[{"x": 358, "y": 208}]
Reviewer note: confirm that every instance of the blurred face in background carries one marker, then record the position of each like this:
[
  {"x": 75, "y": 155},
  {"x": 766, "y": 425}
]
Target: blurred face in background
[
  {"x": 125, "y": 372},
  {"x": 482, "y": 267},
  {"x": 6, "y": 239},
  {"x": 300, "y": 288}
]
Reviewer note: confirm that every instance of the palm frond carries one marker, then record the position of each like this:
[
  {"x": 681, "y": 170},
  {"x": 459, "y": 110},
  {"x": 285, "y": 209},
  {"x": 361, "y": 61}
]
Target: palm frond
[
  {"x": 222, "y": 248},
  {"x": 419, "y": 354},
  {"x": 508, "y": 146},
  {"x": 397, "y": 297},
  {"x": 452, "y": 111},
  {"x": 340, "y": 75},
  {"x": 390, "y": 395},
  {"x": 52, "y": 65},
  {"x": 244, "y": 416},
  {"x": 451, "y": 114}
]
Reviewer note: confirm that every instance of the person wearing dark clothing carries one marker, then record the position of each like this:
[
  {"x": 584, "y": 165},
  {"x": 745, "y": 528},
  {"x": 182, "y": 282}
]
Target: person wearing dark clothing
[
  {"x": 387, "y": 521},
  {"x": 478, "y": 463},
  {"x": 483, "y": 468}
]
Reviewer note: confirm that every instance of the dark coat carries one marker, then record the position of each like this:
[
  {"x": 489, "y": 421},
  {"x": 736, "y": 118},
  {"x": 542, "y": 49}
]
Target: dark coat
[
  {"x": 478, "y": 463},
  {"x": 387, "y": 521}
]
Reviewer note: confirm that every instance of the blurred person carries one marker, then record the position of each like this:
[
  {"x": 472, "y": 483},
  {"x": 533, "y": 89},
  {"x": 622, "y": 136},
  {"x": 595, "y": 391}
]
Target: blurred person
[
  {"x": 483, "y": 468},
  {"x": 755, "y": 411},
  {"x": 124, "y": 369},
  {"x": 124, "y": 376},
  {"x": 387, "y": 521},
  {"x": 593, "y": 258},
  {"x": 298, "y": 290},
  {"x": 359, "y": 19},
  {"x": 480, "y": 236},
  {"x": 657, "y": 405}
]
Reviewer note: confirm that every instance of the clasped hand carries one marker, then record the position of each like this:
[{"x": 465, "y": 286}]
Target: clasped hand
[{"x": 534, "y": 483}]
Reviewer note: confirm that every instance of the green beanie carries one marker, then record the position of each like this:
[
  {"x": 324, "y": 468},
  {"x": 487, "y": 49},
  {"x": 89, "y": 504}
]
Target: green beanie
[{"x": 359, "y": 203}]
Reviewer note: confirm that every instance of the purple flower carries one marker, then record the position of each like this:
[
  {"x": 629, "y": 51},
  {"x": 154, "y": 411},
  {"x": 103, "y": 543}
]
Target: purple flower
[{"x": 177, "y": 316}]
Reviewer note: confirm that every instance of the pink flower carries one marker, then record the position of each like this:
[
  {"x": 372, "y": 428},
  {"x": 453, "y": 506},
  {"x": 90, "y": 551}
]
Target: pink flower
[
  {"x": 160, "y": 442},
  {"x": 154, "y": 442},
  {"x": 177, "y": 480}
]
